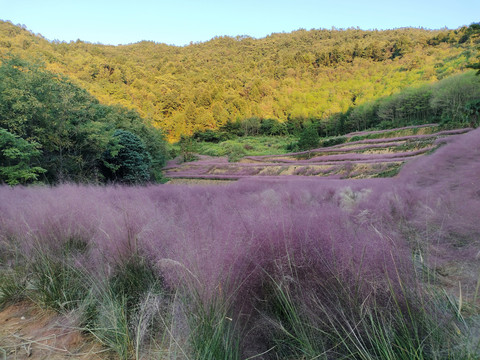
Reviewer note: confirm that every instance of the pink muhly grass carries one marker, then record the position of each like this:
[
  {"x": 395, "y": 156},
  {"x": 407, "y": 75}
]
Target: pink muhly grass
[{"x": 229, "y": 242}]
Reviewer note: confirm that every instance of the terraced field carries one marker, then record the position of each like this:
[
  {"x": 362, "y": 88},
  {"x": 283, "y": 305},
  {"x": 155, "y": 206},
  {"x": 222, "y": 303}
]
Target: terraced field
[{"x": 362, "y": 155}]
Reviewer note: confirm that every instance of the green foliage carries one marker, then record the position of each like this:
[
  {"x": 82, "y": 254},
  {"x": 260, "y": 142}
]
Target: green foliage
[
  {"x": 65, "y": 124},
  {"x": 334, "y": 141},
  {"x": 132, "y": 280},
  {"x": 233, "y": 150},
  {"x": 452, "y": 95},
  {"x": 41, "y": 107},
  {"x": 13, "y": 286},
  {"x": 362, "y": 329},
  {"x": 58, "y": 283},
  {"x": 210, "y": 136},
  {"x": 213, "y": 336},
  {"x": 16, "y": 157},
  {"x": 119, "y": 310},
  {"x": 251, "y": 145},
  {"x": 449, "y": 101},
  {"x": 187, "y": 148},
  {"x": 392, "y": 170},
  {"x": 127, "y": 160},
  {"x": 453, "y": 102},
  {"x": 475, "y": 66},
  {"x": 472, "y": 109},
  {"x": 111, "y": 326},
  {"x": 308, "y": 138},
  {"x": 303, "y": 74}
]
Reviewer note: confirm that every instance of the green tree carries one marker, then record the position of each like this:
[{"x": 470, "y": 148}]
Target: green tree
[
  {"x": 308, "y": 138},
  {"x": 16, "y": 158},
  {"x": 187, "y": 148},
  {"x": 451, "y": 96},
  {"x": 71, "y": 127},
  {"x": 127, "y": 160}
]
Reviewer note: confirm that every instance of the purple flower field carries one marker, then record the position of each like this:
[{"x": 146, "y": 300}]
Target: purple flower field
[
  {"x": 369, "y": 157},
  {"x": 233, "y": 242}
]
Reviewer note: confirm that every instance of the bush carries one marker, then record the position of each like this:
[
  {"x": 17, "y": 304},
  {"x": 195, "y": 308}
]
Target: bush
[
  {"x": 334, "y": 141},
  {"x": 233, "y": 150}
]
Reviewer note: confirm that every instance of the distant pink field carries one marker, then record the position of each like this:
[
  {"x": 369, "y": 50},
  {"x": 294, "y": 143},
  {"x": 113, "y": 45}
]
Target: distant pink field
[{"x": 372, "y": 155}]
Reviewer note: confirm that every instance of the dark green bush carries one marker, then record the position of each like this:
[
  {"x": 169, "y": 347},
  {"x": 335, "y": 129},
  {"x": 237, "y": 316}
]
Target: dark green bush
[
  {"x": 127, "y": 160},
  {"x": 334, "y": 141}
]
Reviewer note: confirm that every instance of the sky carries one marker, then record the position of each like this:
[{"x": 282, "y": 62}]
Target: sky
[{"x": 179, "y": 22}]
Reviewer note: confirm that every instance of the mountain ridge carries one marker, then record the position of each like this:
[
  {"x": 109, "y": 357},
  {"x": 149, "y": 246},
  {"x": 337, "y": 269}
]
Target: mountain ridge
[{"x": 302, "y": 74}]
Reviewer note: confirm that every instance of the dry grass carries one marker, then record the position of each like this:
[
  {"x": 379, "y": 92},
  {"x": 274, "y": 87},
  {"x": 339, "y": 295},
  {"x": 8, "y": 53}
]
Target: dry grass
[{"x": 26, "y": 331}]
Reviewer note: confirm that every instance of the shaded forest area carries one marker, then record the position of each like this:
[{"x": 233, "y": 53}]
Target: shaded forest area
[
  {"x": 53, "y": 131},
  {"x": 300, "y": 75}
]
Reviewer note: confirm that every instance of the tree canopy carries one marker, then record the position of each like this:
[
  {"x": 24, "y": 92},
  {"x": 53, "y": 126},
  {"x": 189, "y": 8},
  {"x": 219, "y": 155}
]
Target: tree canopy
[
  {"x": 127, "y": 159},
  {"x": 16, "y": 157},
  {"x": 303, "y": 74},
  {"x": 59, "y": 130}
]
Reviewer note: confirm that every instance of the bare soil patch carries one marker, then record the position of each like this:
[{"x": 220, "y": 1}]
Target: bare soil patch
[{"x": 28, "y": 332}]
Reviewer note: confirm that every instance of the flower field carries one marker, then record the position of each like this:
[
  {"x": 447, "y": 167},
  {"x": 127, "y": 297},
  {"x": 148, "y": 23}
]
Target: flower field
[
  {"x": 269, "y": 267},
  {"x": 375, "y": 155}
]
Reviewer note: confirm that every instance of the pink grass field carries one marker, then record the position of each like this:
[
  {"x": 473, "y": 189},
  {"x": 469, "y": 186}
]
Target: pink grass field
[
  {"x": 226, "y": 235},
  {"x": 364, "y": 154}
]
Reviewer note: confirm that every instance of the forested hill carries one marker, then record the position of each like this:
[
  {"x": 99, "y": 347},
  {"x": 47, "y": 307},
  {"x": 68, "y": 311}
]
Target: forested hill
[{"x": 303, "y": 74}]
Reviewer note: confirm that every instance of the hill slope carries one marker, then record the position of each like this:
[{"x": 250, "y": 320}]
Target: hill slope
[{"x": 301, "y": 74}]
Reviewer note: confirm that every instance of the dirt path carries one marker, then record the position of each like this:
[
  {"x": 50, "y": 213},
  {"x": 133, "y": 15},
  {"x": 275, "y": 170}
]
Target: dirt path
[{"x": 28, "y": 332}]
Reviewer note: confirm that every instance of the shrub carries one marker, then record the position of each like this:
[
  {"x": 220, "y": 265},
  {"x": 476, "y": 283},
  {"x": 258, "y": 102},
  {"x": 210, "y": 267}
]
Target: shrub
[
  {"x": 334, "y": 141},
  {"x": 233, "y": 150}
]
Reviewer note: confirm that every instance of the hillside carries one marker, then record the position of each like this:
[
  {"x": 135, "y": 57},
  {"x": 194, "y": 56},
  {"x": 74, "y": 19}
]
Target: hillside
[
  {"x": 54, "y": 131},
  {"x": 303, "y": 74}
]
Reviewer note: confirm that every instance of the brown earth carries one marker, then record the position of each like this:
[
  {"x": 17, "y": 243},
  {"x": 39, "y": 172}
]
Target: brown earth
[{"x": 28, "y": 332}]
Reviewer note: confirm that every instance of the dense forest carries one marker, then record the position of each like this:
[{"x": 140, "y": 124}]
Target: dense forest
[
  {"x": 451, "y": 102},
  {"x": 53, "y": 131},
  {"x": 312, "y": 74}
]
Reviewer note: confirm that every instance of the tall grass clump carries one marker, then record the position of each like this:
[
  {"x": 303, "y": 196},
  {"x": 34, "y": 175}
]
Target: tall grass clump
[
  {"x": 126, "y": 308},
  {"x": 58, "y": 283},
  {"x": 334, "y": 321},
  {"x": 212, "y": 332},
  {"x": 13, "y": 277},
  {"x": 270, "y": 269}
]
